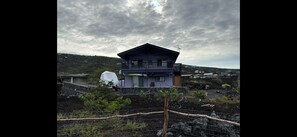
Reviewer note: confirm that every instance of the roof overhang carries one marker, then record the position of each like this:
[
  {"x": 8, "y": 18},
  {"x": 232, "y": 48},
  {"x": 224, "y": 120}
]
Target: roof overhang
[{"x": 148, "y": 49}]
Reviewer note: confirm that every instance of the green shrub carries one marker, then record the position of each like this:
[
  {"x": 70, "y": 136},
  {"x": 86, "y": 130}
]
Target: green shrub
[
  {"x": 142, "y": 94},
  {"x": 60, "y": 116},
  {"x": 225, "y": 100},
  {"x": 238, "y": 89},
  {"x": 81, "y": 114},
  {"x": 76, "y": 114},
  {"x": 111, "y": 123},
  {"x": 171, "y": 93},
  {"x": 200, "y": 94},
  {"x": 226, "y": 86},
  {"x": 103, "y": 99},
  {"x": 132, "y": 125},
  {"x": 80, "y": 130},
  {"x": 207, "y": 87},
  {"x": 106, "y": 127}
]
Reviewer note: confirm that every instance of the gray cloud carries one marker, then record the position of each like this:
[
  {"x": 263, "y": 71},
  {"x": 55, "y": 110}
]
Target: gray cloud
[{"x": 203, "y": 29}]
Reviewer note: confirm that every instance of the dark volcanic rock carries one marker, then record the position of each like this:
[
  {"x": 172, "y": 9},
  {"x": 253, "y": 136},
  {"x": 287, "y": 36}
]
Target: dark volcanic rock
[{"x": 201, "y": 127}]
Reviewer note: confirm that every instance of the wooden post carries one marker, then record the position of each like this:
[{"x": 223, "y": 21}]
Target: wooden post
[{"x": 166, "y": 117}]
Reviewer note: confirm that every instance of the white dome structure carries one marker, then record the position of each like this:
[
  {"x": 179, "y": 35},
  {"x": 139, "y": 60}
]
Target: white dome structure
[{"x": 108, "y": 76}]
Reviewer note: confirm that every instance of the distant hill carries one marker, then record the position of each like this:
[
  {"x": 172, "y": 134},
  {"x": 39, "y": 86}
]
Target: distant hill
[
  {"x": 70, "y": 63},
  {"x": 186, "y": 69}
]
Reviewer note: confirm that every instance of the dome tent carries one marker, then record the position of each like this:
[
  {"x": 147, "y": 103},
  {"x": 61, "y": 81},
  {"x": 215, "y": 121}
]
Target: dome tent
[{"x": 108, "y": 76}]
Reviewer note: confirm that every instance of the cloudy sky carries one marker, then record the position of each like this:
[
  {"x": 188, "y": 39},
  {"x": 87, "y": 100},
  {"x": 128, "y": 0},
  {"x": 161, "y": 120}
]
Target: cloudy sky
[{"x": 206, "y": 32}]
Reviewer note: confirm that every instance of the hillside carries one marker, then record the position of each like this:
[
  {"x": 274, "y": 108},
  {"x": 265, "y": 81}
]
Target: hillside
[
  {"x": 70, "y": 63},
  {"x": 191, "y": 69}
]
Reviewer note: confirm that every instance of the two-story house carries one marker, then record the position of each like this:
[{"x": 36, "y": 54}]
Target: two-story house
[{"x": 150, "y": 66}]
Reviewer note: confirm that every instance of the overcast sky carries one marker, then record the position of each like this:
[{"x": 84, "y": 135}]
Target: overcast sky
[{"x": 206, "y": 31}]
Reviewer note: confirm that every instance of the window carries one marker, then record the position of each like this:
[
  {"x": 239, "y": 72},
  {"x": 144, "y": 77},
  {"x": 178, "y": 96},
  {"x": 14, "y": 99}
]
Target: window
[
  {"x": 161, "y": 63},
  {"x": 140, "y": 63},
  {"x": 150, "y": 63},
  {"x": 160, "y": 79},
  {"x": 170, "y": 64},
  {"x": 137, "y": 63},
  {"x": 164, "y": 63},
  {"x": 134, "y": 63}
]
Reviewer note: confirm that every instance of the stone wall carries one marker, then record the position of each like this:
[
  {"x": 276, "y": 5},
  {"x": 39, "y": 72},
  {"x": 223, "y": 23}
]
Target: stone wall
[
  {"x": 148, "y": 91},
  {"x": 75, "y": 89}
]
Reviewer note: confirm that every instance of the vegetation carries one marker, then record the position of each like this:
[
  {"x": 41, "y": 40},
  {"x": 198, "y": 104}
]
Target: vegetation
[
  {"x": 207, "y": 87},
  {"x": 142, "y": 94},
  {"x": 217, "y": 81},
  {"x": 80, "y": 130},
  {"x": 238, "y": 89},
  {"x": 104, "y": 100},
  {"x": 200, "y": 94},
  {"x": 106, "y": 127},
  {"x": 76, "y": 114},
  {"x": 168, "y": 95},
  {"x": 86, "y": 64},
  {"x": 225, "y": 100},
  {"x": 226, "y": 86},
  {"x": 172, "y": 94},
  {"x": 132, "y": 125}
]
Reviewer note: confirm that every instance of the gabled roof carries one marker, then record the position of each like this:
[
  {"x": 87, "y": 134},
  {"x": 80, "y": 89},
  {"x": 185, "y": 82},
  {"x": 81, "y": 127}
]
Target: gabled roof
[{"x": 148, "y": 49}]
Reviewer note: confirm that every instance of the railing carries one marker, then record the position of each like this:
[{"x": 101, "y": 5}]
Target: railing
[
  {"x": 152, "y": 67},
  {"x": 148, "y": 65}
]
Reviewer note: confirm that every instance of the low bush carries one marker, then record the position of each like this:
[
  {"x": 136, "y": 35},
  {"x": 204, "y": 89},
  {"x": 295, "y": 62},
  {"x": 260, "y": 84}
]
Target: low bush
[{"x": 200, "y": 94}]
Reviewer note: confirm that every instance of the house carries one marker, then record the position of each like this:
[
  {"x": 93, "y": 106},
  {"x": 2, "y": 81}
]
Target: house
[
  {"x": 74, "y": 78},
  {"x": 187, "y": 76},
  {"x": 150, "y": 66},
  {"x": 208, "y": 75}
]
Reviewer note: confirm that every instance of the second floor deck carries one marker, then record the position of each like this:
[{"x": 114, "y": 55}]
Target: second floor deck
[{"x": 151, "y": 67}]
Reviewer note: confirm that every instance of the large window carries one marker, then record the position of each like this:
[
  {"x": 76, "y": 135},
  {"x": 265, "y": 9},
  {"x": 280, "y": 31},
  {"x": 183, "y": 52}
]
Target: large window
[
  {"x": 164, "y": 63},
  {"x": 137, "y": 63},
  {"x": 140, "y": 63},
  {"x": 134, "y": 63},
  {"x": 160, "y": 79},
  {"x": 161, "y": 63}
]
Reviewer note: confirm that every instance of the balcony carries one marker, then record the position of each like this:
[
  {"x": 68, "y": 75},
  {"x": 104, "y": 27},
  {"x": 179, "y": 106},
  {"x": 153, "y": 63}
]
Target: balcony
[{"x": 141, "y": 67}]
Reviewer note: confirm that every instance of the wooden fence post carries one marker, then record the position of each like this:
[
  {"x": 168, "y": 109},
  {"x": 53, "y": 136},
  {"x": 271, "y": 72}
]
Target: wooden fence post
[{"x": 166, "y": 117}]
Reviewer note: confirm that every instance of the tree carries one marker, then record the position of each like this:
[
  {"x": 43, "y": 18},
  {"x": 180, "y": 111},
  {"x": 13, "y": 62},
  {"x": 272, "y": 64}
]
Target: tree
[
  {"x": 104, "y": 100},
  {"x": 169, "y": 95}
]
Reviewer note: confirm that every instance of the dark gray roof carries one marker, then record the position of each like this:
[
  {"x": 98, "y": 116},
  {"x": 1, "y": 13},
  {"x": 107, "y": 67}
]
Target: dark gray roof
[{"x": 148, "y": 49}]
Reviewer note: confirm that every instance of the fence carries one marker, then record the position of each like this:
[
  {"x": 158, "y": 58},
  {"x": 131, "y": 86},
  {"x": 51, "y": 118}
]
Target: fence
[{"x": 181, "y": 122}]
